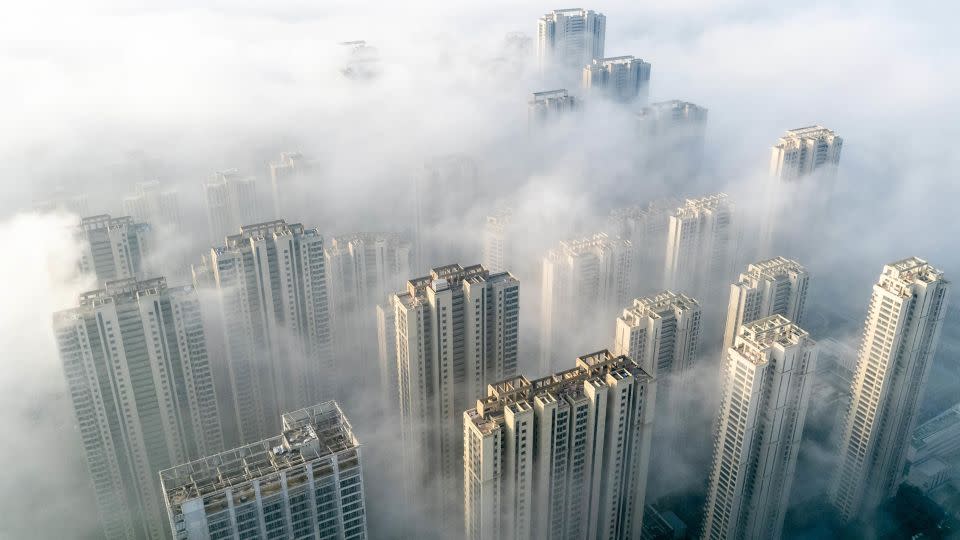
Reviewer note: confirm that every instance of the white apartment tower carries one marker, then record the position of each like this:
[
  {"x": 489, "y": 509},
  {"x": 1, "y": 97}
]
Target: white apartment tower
[
  {"x": 362, "y": 271},
  {"x": 288, "y": 184},
  {"x": 497, "y": 241},
  {"x": 135, "y": 360},
  {"x": 672, "y": 135},
  {"x": 899, "y": 338},
  {"x": 550, "y": 105},
  {"x": 569, "y": 39},
  {"x": 306, "y": 483},
  {"x": 700, "y": 246},
  {"x": 231, "y": 202},
  {"x": 446, "y": 190},
  {"x": 151, "y": 203},
  {"x": 272, "y": 281},
  {"x": 564, "y": 456},
  {"x": 775, "y": 286},
  {"x": 767, "y": 379},
  {"x": 584, "y": 280},
  {"x": 646, "y": 228},
  {"x": 802, "y": 151},
  {"x": 387, "y": 355},
  {"x": 456, "y": 332},
  {"x": 113, "y": 248},
  {"x": 622, "y": 78}
]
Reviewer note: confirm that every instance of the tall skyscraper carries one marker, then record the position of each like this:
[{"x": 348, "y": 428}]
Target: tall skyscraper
[
  {"x": 231, "y": 202},
  {"x": 768, "y": 374},
  {"x": 802, "y": 151},
  {"x": 288, "y": 184},
  {"x": 585, "y": 276},
  {"x": 151, "y": 203},
  {"x": 700, "y": 246},
  {"x": 456, "y": 331},
  {"x": 306, "y": 483},
  {"x": 362, "y": 270},
  {"x": 387, "y": 355},
  {"x": 564, "y": 456},
  {"x": 672, "y": 133},
  {"x": 622, "y": 78},
  {"x": 646, "y": 228},
  {"x": 113, "y": 248},
  {"x": 135, "y": 360},
  {"x": 569, "y": 39},
  {"x": 272, "y": 281},
  {"x": 63, "y": 201},
  {"x": 498, "y": 242},
  {"x": 441, "y": 208},
  {"x": 775, "y": 286},
  {"x": 550, "y": 105},
  {"x": 899, "y": 338}
]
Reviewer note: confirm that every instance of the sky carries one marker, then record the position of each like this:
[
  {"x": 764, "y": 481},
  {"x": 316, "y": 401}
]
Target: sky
[{"x": 99, "y": 95}]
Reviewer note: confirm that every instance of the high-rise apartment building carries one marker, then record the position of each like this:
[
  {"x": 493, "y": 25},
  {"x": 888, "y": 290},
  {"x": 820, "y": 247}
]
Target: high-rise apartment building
[
  {"x": 151, "y": 203},
  {"x": 569, "y": 39},
  {"x": 306, "y": 483},
  {"x": 584, "y": 280},
  {"x": 802, "y": 151},
  {"x": 456, "y": 332},
  {"x": 622, "y": 78},
  {"x": 775, "y": 286},
  {"x": 231, "y": 202},
  {"x": 387, "y": 355},
  {"x": 135, "y": 360},
  {"x": 288, "y": 184},
  {"x": 113, "y": 248},
  {"x": 564, "y": 456},
  {"x": 272, "y": 282},
  {"x": 646, "y": 228},
  {"x": 447, "y": 189},
  {"x": 498, "y": 241},
  {"x": 672, "y": 135},
  {"x": 362, "y": 271},
  {"x": 768, "y": 375},
  {"x": 550, "y": 105},
  {"x": 899, "y": 338},
  {"x": 700, "y": 246}
]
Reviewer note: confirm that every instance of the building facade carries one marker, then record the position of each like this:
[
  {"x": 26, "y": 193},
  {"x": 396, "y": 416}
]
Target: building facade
[
  {"x": 775, "y": 286},
  {"x": 306, "y": 483},
  {"x": 151, "y": 203},
  {"x": 646, "y": 227},
  {"x": 231, "y": 203},
  {"x": 564, "y": 456},
  {"x": 587, "y": 279},
  {"x": 569, "y": 39},
  {"x": 622, "y": 78},
  {"x": 802, "y": 151},
  {"x": 550, "y": 105},
  {"x": 135, "y": 360},
  {"x": 899, "y": 338},
  {"x": 273, "y": 291},
  {"x": 113, "y": 248},
  {"x": 456, "y": 332},
  {"x": 700, "y": 246},
  {"x": 498, "y": 242},
  {"x": 288, "y": 184},
  {"x": 672, "y": 134},
  {"x": 768, "y": 375}
]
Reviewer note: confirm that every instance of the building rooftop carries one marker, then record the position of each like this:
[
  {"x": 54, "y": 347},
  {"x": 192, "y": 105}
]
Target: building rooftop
[
  {"x": 771, "y": 269},
  {"x": 258, "y": 231},
  {"x": 588, "y": 245},
  {"x": 444, "y": 277},
  {"x": 308, "y": 434},
  {"x": 898, "y": 277},
  {"x": 947, "y": 420},
  {"x": 658, "y": 306},
  {"x": 756, "y": 337},
  {"x": 568, "y": 11},
  {"x": 693, "y": 207},
  {"x": 104, "y": 221},
  {"x": 120, "y": 291},
  {"x": 520, "y": 391}
]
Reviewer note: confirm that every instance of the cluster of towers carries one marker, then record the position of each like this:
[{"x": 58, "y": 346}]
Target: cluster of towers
[{"x": 213, "y": 410}]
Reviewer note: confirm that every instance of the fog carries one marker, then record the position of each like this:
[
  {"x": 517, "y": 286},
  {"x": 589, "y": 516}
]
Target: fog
[{"x": 100, "y": 95}]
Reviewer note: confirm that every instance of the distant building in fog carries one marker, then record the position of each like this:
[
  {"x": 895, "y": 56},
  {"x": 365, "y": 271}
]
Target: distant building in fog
[
  {"x": 387, "y": 355},
  {"x": 700, "y": 246},
  {"x": 672, "y": 135},
  {"x": 62, "y": 201},
  {"x": 113, "y": 248},
  {"x": 273, "y": 286},
  {"x": 457, "y": 331},
  {"x": 646, "y": 227},
  {"x": 288, "y": 185},
  {"x": 584, "y": 281},
  {"x": 447, "y": 189},
  {"x": 568, "y": 39},
  {"x": 934, "y": 452},
  {"x": 549, "y": 106},
  {"x": 153, "y": 204},
  {"x": 363, "y": 61},
  {"x": 767, "y": 377},
  {"x": 305, "y": 483},
  {"x": 136, "y": 364},
  {"x": 231, "y": 202},
  {"x": 900, "y": 336},
  {"x": 623, "y": 78},
  {"x": 776, "y": 286},
  {"x": 802, "y": 151},
  {"x": 564, "y": 456},
  {"x": 498, "y": 242}
]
